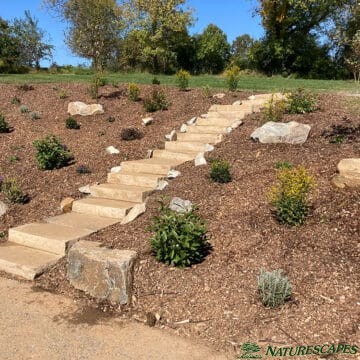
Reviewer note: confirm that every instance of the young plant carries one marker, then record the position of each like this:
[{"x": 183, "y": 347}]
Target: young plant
[
  {"x": 301, "y": 102},
  {"x": 155, "y": 81},
  {"x": 24, "y": 109},
  {"x": 133, "y": 92},
  {"x": 51, "y": 153},
  {"x": 131, "y": 133},
  {"x": 83, "y": 169},
  {"x": 72, "y": 124},
  {"x": 220, "y": 171},
  {"x": 110, "y": 119},
  {"x": 35, "y": 115},
  {"x": 274, "y": 288},
  {"x": 283, "y": 165},
  {"x": 182, "y": 79},
  {"x": 96, "y": 83},
  {"x": 12, "y": 192},
  {"x": 290, "y": 195},
  {"x": 63, "y": 94},
  {"x": 206, "y": 91},
  {"x": 179, "y": 238},
  {"x": 156, "y": 101},
  {"x": 25, "y": 87},
  {"x": 4, "y": 126},
  {"x": 232, "y": 77},
  {"x": 274, "y": 109},
  {"x": 15, "y": 100},
  {"x": 13, "y": 158}
]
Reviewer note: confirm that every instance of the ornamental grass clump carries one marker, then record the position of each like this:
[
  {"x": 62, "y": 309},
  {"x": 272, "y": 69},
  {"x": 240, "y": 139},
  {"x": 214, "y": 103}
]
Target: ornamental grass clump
[
  {"x": 274, "y": 109},
  {"x": 133, "y": 92},
  {"x": 290, "y": 195},
  {"x": 232, "y": 77},
  {"x": 179, "y": 238},
  {"x": 182, "y": 79},
  {"x": 72, "y": 124},
  {"x": 156, "y": 101},
  {"x": 4, "y": 126},
  {"x": 274, "y": 288},
  {"x": 220, "y": 171},
  {"x": 13, "y": 192}
]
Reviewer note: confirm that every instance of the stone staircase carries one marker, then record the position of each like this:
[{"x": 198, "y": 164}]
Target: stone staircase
[{"x": 33, "y": 248}]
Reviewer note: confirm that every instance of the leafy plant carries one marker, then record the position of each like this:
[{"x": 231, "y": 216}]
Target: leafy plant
[
  {"x": 155, "y": 81},
  {"x": 13, "y": 158},
  {"x": 155, "y": 101},
  {"x": 220, "y": 171},
  {"x": 179, "y": 238},
  {"x": 25, "y": 87},
  {"x": 131, "y": 133},
  {"x": 290, "y": 195},
  {"x": 232, "y": 77},
  {"x": 133, "y": 92},
  {"x": 35, "y": 115},
  {"x": 72, "y": 124},
  {"x": 182, "y": 79},
  {"x": 15, "y": 100},
  {"x": 274, "y": 288},
  {"x": 110, "y": 119},
  {"x": 4, "y": 126},
  {"x": 83, "y": 169},
  {"x": 51, "y": 153},
  {"x": 95, "y": 84},
  {"x": 206, "y": 91},
  {"x": 341, "y": 133},
  {"x": 63, "y": 94},
  {"x": 24, "y": 109},
  {"x": 301, "y": 102},
  {"x": 283, "y": 165},
  {"x": 274, "y": 109},
  {"x": 12, "y": 192}
]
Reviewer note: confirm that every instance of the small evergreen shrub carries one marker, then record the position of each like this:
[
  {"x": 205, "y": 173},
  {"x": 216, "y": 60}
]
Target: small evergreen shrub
[
  {"x": 12, "y": 192},
  {"x": 72, "y": 124},
  {"x": 110, "y": 119},
  {"x": 155, "y": 81},
  {"x": 83, "y": 169},
  {"x": 24, "y": 109},
  {"x": 290, "y": 194},
  {"x": 283, "y": 165},
  {"x": 179, "y": 238},
  {"x": 274, "y": 109},
  {"x": 63, "y": 94},
  {"x": 274, "y": 288},
  {"x": 220, "y": 171},
  {"x": 133, "y": 92},
  {"x": 35, "y": 115},
  {"x": 182, "y": 79},
  {"x": 25, "y": 87},
  {"x": 15, "y": 100},
  {"x": 155, "y": 101},
  {"x": 232, "y": 77},
  {"x": 206, "y": 91},
  {"x": 130, "y": 134},
  {"x": 301, "y": 102},
  {"x": 4, "y": 126},
  {"x": 51, "y": 153}
]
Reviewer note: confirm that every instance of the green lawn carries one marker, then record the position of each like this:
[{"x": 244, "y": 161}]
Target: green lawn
[{"x": 247, "y": 82}]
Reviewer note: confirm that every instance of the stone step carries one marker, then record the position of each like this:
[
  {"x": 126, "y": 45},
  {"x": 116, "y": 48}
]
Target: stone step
[
  {"x": 181, "y": 156},
  {"x": 25, "y": 262},
  {"x": 150, "y": 166},
  {"x": 232, "y": 108},
  {"x": 202, "y": 138},
  {"x": 115, "y": 209},
  {"x": 139, "y": 179},
  {"x": 216, "y": 122},
  {"x": 135, "y": 194},
  {"x": 179, "y": 146},
  {"x": 52, "y": 238},
  {"x": 206, "y": 129},
  {"x": 239, "y": 115},
  {"x": 82, "y": 221}
]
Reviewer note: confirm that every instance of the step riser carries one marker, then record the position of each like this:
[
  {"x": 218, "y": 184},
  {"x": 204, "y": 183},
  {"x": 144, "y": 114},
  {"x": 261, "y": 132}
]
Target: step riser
[
  {"x": 228, "y": 115},
  {"x": 132, "y": 180},
  {"x": 232, "y": 108},
  {"x": 178, "y": 146},
  {"x": 160, "y": 154},
  {"x": 18, "y": 270},
  {"x": 206, "y": 130},
  {"x": 124, "y": 195},
  {"x": 146, "y": 168},
  {"x": 206, "y": 138},
  {"x": 216, "y": 122},
  {"x": 90, "y": 209}
]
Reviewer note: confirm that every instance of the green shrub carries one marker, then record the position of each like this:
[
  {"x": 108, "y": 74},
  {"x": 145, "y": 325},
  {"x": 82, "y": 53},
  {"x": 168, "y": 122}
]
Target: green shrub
[
  {"x": 63, "y": 94},
  {"x": 51, "y": 153},
  {"x": 25, "y": 87},
  {"x": 131, "y": 133},
  {"x": 35, "y": 115},
  {"x": 133, "y": 92},
  {"x": 274, "y": 109},
  {"x": 290, "y": 195},
  {"x": 180, "y": 238},
  {"x": 12, "y": 192},
  {"x": 283, "y": 165},
  {"x": 13, "y": 158},
  {"x": 206, "y": 91},
  {"x": 83, "y": 169},
  {"x": 15, "y": 100},
  {"x": 220, "y": 171},
  {"x": 232, "y": 77},
  {"x": 301, "y": 102},
  {"x": 182, "y": 79},
  {"x": 95, "y": 84},
  {"x": 72, "y": 124},
  {"x": 4, "y": 126},
  {"x": 155, "y": 101},
  {"x": 155, "y": 81},
  {"x": 274, "y": 288},
  {"x": 24, "y": 109}
]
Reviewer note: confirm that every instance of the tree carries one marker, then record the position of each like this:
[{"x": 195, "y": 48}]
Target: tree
[
  {"x": 31, "y": 39},
  {"x": 353, "y": 61},
  {"x": 213, "y": 50},
  {"x": 9, "y": 48},
  {"x": 240, "y": 49}
]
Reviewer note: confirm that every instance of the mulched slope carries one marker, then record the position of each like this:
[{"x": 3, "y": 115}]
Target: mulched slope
[
  {"x": 219, "y": 296},
  {"x": 47, "y": 188}
]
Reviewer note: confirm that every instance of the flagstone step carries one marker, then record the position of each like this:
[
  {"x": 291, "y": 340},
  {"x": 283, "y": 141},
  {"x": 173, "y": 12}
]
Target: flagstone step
[
  {"x": 24, "y": 261},
  {"x": 150, "y": 166},
  {"x": 179, "y": 146},
  {"x": 180, "y": 156},
  {"x": 217, "y": 122},
  {"x": 231, "y": 108},
  {"x": 138, "y": 179},
  {"x": 202, "y": 138},
  {"x": 52, "y": 238},
  {"x": 82, "y": 221},
  {"x": 115, "y": 209},
  {"x": 136, "y": 194},
  {"x": 204, "y": 129},
  {"x": 239, "y": 115}
]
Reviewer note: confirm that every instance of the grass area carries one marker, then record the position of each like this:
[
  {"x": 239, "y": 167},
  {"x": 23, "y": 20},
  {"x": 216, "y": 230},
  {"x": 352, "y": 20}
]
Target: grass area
[
  {"x": 352, "y": 103},
  {"x": 256, "y": 83}
]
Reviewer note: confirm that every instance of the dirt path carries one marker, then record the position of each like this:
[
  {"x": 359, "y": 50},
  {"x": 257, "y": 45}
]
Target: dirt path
[{"x": 40, "y": 325}]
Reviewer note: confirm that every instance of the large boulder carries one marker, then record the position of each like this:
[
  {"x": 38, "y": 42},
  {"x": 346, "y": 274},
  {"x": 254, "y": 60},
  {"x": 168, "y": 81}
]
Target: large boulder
[
  {"x": 275, "y": 133},
  {"x": 349, "y": 173},
  {"x": 103, "y": 273},
  {"x": 3, "y": 208},
  {"x": 80, "y": 108},
  {"x": 180, "y": 206}
]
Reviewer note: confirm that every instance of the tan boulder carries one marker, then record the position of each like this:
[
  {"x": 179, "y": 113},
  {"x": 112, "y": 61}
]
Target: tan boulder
[
  {"x": 66, "y": 204},
  {"x": 80, "y": 108},
  {"x": 349, "y": 173}
]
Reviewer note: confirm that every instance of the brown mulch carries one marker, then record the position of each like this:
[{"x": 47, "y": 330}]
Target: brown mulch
[{"x": 218, "y": 297}]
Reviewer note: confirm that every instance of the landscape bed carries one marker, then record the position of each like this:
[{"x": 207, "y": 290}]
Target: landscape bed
[{"x": 217, "y": 300}]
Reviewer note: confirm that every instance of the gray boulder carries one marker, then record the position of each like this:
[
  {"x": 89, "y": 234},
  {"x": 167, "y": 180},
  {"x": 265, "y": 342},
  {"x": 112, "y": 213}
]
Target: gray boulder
[
  {"x": 179, "y": 205},
  {"x": 3, "y": 208}
]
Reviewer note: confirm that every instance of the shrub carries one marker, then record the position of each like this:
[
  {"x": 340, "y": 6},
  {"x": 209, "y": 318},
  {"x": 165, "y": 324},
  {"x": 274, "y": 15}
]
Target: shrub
[
  {"x": 232, "y": 77},
  {"x": 274, "y": 109},
  {"x": 4, "y": 126},
  {"x": 301, "y": 102},
  {"x": 155, "y": 81},
  {"x": 206, "y": 91},
  {"x": 132, "y": 133},
  {"x": 24, "y": 109},
  {"x": 72, "y": 124},
  {"x": 180, "y": 238},
  {"x": 133, "y": 92},
  {"x": 220, "y": 171},
  {"x": 25, "y": 87},
  {"x": 155, "y": 101},
  {"x": 51, "y": 153},
  {"x": 83, "y": 169},
  {"x": 12, "y": 192},
  {"x": 290, "y": 195},
  {"x": 283, "y": 165},
  {"x": 15, "y": 100},
  {"x": 35, "y": 115},
  {"x": 96, "y": 83},
  {"x": 13, "y": 158},
  {"x": 182, "y": 79},
  {"x": 63, "y": 94},
  {"x": 110, "y": 119},
  {"x": 274, "y": 288}
]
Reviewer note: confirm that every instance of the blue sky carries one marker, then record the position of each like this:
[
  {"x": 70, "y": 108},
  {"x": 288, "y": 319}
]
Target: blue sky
[{"x": 234, "y": 17}]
